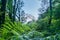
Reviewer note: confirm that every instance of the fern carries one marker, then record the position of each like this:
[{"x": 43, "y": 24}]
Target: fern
[{"x": 13, "y": 29}]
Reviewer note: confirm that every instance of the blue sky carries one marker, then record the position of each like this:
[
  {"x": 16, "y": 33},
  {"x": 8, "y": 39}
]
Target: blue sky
[{"x": 31, "y": 7}]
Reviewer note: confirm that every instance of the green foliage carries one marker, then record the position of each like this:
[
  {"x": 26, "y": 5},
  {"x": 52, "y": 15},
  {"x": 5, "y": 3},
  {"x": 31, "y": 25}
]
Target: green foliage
[
  {"x": 32, "y": 25},
  {"x": 57, "y": 12},
  {"x": 35, "y": 30},
  {"x": 10, "y": 29},
  {"x": 42, "y": 22}
]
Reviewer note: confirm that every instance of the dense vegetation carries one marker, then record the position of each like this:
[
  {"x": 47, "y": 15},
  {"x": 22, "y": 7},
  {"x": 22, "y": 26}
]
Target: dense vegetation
[{"x": 47, "y": 27}]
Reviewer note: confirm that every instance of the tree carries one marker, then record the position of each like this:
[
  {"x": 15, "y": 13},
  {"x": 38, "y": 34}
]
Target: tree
[
  {"x": 23, "y": 19},
  {"x": 50, "y": 19},
  {"x": 10, "y": 8},
  {"x": 19, "y": 7},
  {"x": 14, "y": 10},
  {"x": 3, "y": 10}
]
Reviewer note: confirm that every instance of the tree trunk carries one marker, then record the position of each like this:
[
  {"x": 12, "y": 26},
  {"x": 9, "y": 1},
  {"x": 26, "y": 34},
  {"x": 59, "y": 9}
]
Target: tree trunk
[
  {"x": 10, "y": 7},
  {"x": 2, "y": 16},
  {"x": 14, "y": 10},
  {"x": 50, "y": 13}
]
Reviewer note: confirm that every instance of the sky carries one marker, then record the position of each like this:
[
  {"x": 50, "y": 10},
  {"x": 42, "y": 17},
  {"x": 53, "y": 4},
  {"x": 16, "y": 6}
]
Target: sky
[{"x": 31, "y": 7}]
